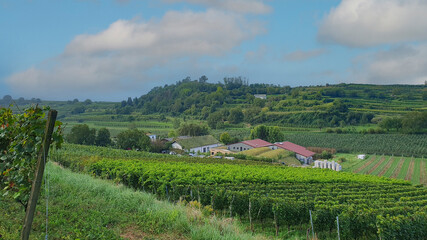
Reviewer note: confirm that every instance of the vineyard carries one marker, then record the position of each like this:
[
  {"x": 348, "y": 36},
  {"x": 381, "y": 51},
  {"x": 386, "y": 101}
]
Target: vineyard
[
  {"x": 405, "y": 168},
  {"x": 368, "y": 206},
  {"x": 388, "y": 144}
]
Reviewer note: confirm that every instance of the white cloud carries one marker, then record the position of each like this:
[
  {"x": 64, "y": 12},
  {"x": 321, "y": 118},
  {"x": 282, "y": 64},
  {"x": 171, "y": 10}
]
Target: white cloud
[
  {"x": 303, "y": 55},
  {"x": 239, "y": 6},
  {"x": 399, "y": 65},
  {"x": 120, "y": 56},
  {"x": 362, "y": 23}
]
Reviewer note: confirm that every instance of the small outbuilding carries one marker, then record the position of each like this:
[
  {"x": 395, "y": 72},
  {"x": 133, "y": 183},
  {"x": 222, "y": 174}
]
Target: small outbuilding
[
  {"x": 200, "y": 144},
  {"x": 249, "y": 144}
]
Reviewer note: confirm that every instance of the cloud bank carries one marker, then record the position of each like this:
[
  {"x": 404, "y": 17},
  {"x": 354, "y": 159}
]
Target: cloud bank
[
  {"x": 399, "y": 65},
  {"x": 119, "y": 57},
  {"x": 363, "y": 23}
]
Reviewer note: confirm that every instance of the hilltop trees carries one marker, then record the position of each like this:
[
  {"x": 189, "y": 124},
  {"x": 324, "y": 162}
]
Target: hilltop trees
[
  {"x": 133, "y": 139},
  {"x": 270, "y": 134},
  {"x": 81, "y": 134},
  {"x": 103, "y": 137},
  {"x": 193, "y": 129}
]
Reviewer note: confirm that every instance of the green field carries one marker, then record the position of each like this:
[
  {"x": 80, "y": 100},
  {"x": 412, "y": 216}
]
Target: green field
[{"x": 405, "y": 168}]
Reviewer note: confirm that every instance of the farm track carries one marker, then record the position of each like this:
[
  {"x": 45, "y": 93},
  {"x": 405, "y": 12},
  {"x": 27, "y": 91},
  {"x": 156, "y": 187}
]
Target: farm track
[
  {"x": 423, "y": 177},
  {"x": 376, "y": 165},
  {"x": 384, "y": 170},
  {"x": 397, "y": 170},
  {"x": 366, "y": 164},
  {"x": 410, "y": 170}
]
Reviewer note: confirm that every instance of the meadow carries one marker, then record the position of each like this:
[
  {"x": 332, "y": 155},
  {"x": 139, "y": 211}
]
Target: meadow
[{"x": 399, "y": 167}]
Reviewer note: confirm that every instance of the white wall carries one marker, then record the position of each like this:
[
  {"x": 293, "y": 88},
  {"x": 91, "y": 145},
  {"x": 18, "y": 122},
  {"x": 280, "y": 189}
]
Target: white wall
[
  {"x": 237, "y": 146},
  {"x": 204, "y": 149}
]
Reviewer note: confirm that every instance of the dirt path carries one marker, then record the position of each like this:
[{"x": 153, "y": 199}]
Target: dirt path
[
  {"x": 410, "y": 170},
  {"x": 376, "y": 165},
  {"x": 366, "y": 164},
  {"x": 423, "y": 175},
  {"x": 386, "y": 167},
  {"x": 397, "y": 170}
]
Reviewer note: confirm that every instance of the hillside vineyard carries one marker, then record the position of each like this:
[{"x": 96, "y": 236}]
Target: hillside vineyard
[{"x": 367, "y": 206}]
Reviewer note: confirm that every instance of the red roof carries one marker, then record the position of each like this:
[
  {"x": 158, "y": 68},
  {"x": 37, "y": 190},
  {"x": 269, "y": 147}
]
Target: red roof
[
  {"x": 256, "y": 143},
  {"x": 295, "y": 148}
]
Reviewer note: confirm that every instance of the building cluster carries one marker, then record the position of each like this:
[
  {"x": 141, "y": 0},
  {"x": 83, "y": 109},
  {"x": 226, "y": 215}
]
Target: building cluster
[{"x": 205, "y": 144}]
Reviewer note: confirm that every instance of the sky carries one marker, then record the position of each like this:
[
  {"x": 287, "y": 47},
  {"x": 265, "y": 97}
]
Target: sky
[{"x": 108, "y": 50}]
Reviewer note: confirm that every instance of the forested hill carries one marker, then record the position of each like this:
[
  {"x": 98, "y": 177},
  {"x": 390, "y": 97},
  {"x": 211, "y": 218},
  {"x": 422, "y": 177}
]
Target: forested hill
[{"x": 233, "y": 101}]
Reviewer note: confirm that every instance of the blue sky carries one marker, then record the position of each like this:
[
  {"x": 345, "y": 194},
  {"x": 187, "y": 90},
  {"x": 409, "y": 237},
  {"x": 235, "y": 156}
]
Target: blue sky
[{"x": 112, "y": 49}]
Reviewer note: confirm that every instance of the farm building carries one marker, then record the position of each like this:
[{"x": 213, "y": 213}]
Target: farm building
[
  {"x": 301, "y": 153},
  {"x": 220, "y": 150},
  {"x": 196, "y": 144},
  {"x": 246, "y": 145},
  {"x": 260, "y": 96},
  {"x": 152, "y": 137}
]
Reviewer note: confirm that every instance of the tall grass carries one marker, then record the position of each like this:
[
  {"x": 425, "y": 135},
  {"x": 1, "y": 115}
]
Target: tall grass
[{"x": 81, "y": 207}]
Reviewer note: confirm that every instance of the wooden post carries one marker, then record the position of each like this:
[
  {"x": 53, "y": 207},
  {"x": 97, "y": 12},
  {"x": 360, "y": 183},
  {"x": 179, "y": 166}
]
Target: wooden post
[{"x": 35, "y": 189}]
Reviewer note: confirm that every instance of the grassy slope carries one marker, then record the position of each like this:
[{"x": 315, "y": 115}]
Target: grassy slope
[
  {"x": 404, "y": 169},
  {"x": 256, "y": 151},
  {"x": 86, "y": 208},
  {"x": 352, "y": 163}
]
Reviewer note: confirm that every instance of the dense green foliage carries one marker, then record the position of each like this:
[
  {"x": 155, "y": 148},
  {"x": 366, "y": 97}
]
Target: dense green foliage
[
  {"x": 21, "y": 137},
  {"x": 363, "y": 203},
  {"x": 133, "y": 139},
  {"x": 233, "y": 101},
  {"x": 82, "y": 134}
]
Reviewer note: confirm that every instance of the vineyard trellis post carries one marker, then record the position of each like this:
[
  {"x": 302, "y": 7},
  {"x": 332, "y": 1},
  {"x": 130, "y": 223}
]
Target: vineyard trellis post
[
  {"x": 311, "y": 220},
  {"x": 338, "y": 228},
  {"x": 38, "y": 177}
]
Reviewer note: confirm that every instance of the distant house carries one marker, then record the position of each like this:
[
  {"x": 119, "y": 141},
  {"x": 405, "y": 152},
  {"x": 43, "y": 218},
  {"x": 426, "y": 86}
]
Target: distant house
[
  {"x": 260, "y": 96},
  {"x": 246, "y": 145},
  {"x": 301, "y": 153},
  {"x": 196, "y": 144},
  {"x": 152, "y": 137},
  {"x": 361, "y": 156}
]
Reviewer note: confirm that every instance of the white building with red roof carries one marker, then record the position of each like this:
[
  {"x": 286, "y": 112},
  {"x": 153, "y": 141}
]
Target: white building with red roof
[
  {"x": 249, "y": 144},
  {"x": 301, "y": 153}
]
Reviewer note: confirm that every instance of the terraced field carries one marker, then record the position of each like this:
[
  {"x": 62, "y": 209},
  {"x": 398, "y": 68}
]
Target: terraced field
[{"x": 406, "y": 168}]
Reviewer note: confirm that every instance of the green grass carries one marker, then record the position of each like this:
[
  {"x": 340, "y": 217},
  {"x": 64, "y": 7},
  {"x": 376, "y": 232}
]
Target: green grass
[
  {"x": 417, "y": 171},
  {"x": 256, "y": 151},
  {"x": 81, "y": 207},
  {"x": 370, "y": 166},
  {"x": 359, "y": 163},
  {"x": 352, "y": 163},
  {"x": 381, "y": 166},
  {"x": 404, "y": 169},
  {"x": 392, "y": 167},
  {"x": 275, "y": 153},
  {"x": 290, "y": 161}
]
